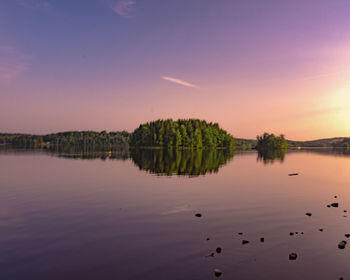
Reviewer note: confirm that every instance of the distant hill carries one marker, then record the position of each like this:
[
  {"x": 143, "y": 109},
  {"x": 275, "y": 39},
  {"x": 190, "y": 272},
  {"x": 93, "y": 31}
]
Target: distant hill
[{"x": 327, "y": 142}]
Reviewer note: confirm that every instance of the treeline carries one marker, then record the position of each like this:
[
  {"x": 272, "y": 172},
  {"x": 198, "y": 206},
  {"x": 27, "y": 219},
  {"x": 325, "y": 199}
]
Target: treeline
[
  {"x": 345, "y": 143},
  {"x": 83, "y": 140},
  {"x": 271, "y": 142},
  {"x": 185, "y": 133}
]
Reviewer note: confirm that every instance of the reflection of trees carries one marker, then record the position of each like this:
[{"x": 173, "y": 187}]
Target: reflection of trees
[
  {"x": 181, "y": 162},
  {"x": 115, "y": 155},
  {"x": 270, "y": 155}
]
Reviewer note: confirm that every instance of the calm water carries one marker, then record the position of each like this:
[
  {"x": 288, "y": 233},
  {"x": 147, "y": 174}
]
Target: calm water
[{"x": 87, "y": 217}]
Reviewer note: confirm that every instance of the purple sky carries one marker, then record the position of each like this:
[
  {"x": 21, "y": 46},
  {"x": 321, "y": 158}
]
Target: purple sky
[{"x": 253, "y": 66}]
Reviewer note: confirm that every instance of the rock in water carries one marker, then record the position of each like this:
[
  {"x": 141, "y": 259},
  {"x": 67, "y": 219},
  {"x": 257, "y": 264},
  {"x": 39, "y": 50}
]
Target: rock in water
[
  {"x": 293, "y": 256},
  {"x": 245, "y": 242},
  {"x": 321, "y": 229},
  {"x": 262, "y": 239},
  {"x": 217, "y": 272},
  {"x": 335, "y": 204},
  {"x": 218, "y": 250},
  {"x": 293, "y": 174},
  {"x": 347, "y": 235},
  {"x": 342, "y": 244},
  {"x": 198, "y": 215},
  {"x": 308, "y": 214}
]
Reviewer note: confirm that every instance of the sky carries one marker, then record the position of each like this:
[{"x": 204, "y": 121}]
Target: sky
[{"x": 251, "y": 65}]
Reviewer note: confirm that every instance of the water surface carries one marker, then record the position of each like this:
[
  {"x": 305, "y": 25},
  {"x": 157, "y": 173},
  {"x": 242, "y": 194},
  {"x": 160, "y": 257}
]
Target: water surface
[{"x": 131, "y": 216}]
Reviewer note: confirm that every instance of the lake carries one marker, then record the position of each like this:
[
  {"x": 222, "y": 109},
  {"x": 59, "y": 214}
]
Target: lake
[{"x": 132, "y": 216}]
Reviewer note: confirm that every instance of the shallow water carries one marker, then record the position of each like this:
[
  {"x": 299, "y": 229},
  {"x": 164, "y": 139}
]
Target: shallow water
[{"x": 65, "y": 217}]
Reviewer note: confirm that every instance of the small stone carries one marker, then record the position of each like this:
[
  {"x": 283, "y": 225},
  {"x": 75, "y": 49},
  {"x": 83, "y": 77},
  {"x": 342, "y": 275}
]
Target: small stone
[
  {"x": 291, "y": 233},
  {"x": 208, "y": 238},
  {"x": 345, "y": 211},
  {"x": 347, "y": 235},
  {"x": 321, "y": 229},
  {"x": 342, "y": 244},
  {"x": 245, "y": 242},
  {"x": 335, "y": 196},
  {"x": 262, "y": 239},
  {"x": 217, "y": 272},
  {"x": 335, "y": 204},
  {"x": 210, "y": 255},
  {"x": 293, "y": 256},
  {"x": 240, "y": 233},
  {"x": 198, "y": 215},
  {"x": 293, "y": 174},
  {"x": 308, "y": 214},
  {"x": 296, "y": 232},
  {"x": 328, "y": 206},
  {"x": 218, "y": 250},
  {"x": 302, "y": 232}
]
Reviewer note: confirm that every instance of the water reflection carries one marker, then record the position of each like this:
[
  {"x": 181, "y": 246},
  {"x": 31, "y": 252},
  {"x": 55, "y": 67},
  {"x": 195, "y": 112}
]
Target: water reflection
[
  {"x": 181, "y": 162},
  {"x": 270, "y": 156}
]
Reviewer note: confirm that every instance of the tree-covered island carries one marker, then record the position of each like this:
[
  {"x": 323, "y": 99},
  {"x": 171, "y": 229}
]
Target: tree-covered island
[
  {"x": 271, "y": 142},
  {"x": 183, "y": 133}
]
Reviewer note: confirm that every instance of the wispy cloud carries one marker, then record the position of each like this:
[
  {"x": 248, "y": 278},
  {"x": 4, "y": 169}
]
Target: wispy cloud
[
  {"x": 326, "y": 75},
  {"x": 123, "y": 8},
  {"x": 12, "y": 62},
  {"x": 35, "y": 4},
  {"x": 179, "y": 82}
]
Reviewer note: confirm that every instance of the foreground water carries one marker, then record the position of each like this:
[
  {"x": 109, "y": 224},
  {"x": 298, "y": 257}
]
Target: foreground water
[{"x": 83, "y": 217}]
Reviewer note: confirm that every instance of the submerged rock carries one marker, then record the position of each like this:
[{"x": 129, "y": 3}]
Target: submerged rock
[
  {"x": 198, "y": 215},
  {"x": 240, "y": 233},
  {"x": 335, "y": 204},
  {"x": 210, "y": 255},
  {"x": 208, "y": 238},
  {"x": 342, "y": 244},
  {"x": 218, "y": 250},
  {"x": 347, "y": 235},
  {"x": 328, "y": 205},
  {"x": 291, "y": 233},
  {"x": 245, "y": 242},
  {"x": 217, "y": 272},
  {"x": 308, "y": 214},
  {"x": 321, "y": 229},
  {"x": 293, "y": 256},
  {"x": 262, "y": 239}
]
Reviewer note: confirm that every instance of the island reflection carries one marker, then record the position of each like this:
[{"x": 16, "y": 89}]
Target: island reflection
[{"x": 181, "y": 162}]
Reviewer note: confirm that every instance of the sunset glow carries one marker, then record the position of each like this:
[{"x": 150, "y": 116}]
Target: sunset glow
[{"x": 110, "y": 65}]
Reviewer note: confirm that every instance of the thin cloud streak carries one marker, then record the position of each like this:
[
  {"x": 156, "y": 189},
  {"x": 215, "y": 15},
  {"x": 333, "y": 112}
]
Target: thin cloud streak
[
  {"x": 179, "y": 82},
  {"x": 325, "y": 75},
  {"x": 123, "y": 8}
]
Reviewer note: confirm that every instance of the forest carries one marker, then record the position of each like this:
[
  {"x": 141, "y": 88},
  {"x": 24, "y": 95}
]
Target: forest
[
  {"x": 183, "y": 133},
  {"x": 271, "y": 142},
  {"x": 69, "y": 141}
]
